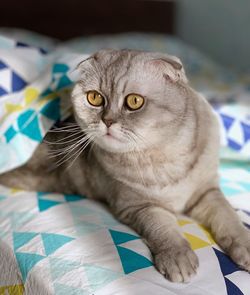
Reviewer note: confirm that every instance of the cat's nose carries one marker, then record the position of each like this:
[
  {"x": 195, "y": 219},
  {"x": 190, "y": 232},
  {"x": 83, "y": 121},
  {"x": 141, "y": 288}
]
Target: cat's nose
[{"x": 108, "y": 122}]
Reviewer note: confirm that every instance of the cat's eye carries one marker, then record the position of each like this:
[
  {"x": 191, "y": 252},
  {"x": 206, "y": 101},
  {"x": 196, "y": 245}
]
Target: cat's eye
[
  {"x": 134, "y": 102},
  {"x": 95, "y": 98}
]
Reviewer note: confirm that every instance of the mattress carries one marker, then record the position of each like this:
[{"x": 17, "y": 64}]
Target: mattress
[{"x": 68, "y": 244}]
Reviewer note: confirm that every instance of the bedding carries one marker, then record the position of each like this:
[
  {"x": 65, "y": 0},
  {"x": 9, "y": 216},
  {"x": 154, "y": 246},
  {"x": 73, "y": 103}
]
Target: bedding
[{"x": 67, "y": 244}]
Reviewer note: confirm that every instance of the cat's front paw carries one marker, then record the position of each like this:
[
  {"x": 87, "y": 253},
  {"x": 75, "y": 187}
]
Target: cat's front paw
[
  {"x": 177, "y": 263},
  {"x": 238, "y": 248}
]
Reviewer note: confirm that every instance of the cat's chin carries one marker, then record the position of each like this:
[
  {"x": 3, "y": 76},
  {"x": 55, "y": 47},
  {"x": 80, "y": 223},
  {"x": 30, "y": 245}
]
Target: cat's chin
[{"x": 112, "y": 144}]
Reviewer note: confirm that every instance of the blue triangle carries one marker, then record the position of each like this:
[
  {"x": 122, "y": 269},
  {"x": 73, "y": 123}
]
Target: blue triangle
[
  {"x": 99, "y": 276},
  {"x": 121, "y": 237},
  {"x": 26, "y": 262},
  {"x": 227, "y": 121},
  {"x": 10, "y": 133},
  {"x": 234, "y": 145},
  {"x": 52, "y": 109},
  {"x": 246, "y": 131},
  {"x": 17, "y": 82},
  {"x": 232, "y": 289},
  {"x": 3, "y": 91},
  {"x": 63, "y": 82},
  {"x": 52, "y": 242},
  {"x": 74, "y": 198},
  {"x": 21, "y": 238},
  {"x": 46, "y": 204},
  {"x": 2, "y": 65},
  {"x": 60, "y": 68},
  {"x": 28, "y": 125},
  {"x": 132, "y": 261},
  {"x": 226, "y": 264}
]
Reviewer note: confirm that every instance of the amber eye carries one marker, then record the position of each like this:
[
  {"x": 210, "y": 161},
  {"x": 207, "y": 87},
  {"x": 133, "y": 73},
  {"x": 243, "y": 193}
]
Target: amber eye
[
  {"x": 95, "y": 98},
  {"x": 134, "y": 101}
]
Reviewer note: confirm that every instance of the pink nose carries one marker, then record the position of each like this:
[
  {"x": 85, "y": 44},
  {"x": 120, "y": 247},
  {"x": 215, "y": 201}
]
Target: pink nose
[{"x": 108, "y": 122}]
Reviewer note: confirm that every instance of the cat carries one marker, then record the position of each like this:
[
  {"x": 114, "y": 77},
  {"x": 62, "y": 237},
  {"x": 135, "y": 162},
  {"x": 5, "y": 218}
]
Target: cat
[{"x": 151, "y": 151}]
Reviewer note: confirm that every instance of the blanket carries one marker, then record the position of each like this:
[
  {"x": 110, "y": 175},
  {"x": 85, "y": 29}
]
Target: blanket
[{"x": 67, "y": 244}]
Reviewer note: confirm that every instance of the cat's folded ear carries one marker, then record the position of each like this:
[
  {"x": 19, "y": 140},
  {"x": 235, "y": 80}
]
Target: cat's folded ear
[{"x": 171, "y": 67}]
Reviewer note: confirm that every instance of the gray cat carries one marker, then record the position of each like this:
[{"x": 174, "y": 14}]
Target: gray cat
[{"x": 151, "y": 152}]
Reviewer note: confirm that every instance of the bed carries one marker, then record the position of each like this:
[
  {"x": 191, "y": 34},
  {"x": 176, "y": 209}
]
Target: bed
[{"x": 67, "y": 244}]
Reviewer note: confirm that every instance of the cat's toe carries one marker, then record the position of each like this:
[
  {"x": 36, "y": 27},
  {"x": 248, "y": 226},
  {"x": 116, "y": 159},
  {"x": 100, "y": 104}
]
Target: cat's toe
[
  {"x": 177, "y": 265},
  {"x": 239, "y": 249}
]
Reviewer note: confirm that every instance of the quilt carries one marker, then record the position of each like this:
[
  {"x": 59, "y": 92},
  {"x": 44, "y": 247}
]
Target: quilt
[{"x": 67, "y": 244}]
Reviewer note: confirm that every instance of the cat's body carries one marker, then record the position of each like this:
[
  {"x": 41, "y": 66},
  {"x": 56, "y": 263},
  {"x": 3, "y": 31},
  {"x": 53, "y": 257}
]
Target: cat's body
[{"x": 146, "y": 173}]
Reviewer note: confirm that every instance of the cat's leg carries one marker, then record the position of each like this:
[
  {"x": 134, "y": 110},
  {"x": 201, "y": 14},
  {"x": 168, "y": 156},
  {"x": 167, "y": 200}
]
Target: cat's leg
[
  {"x": 213, "y": 211},
  {"x": 158, "y": 227}
]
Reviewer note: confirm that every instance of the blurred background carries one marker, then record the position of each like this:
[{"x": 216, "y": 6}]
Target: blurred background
[{"x": 218, "y": 28}]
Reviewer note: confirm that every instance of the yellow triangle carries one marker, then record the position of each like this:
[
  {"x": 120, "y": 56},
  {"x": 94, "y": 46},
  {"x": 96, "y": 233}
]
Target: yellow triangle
[
  {"x": 208, "y": 234},
  {"x": 11, "y": 108},
  {"x": 195, "y": 242},
  {"x": 12, "y": 290},
  {"x": 182, "y": 222},
  {"x": 30, "y": 94},
  {"x": 15, "y": 190}
]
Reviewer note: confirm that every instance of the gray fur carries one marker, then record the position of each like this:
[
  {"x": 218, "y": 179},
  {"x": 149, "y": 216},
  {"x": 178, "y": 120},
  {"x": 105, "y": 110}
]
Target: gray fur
[{"x": 160, "y": 161}]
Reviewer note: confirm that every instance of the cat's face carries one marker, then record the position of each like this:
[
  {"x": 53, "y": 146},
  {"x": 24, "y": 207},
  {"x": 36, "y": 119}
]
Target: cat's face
[{"x": 129, "y": 100}]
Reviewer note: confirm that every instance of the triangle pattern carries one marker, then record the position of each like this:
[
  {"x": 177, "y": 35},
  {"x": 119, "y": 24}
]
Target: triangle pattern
[
  {"x": 63, "y": 82},
  {"x": 121, "y": 237},
  {"x": 26, "y": 262},
  {"x": 2, "y": 91},
  {"x": 12, "y": 290},
  {"x": 73, "y": 198},
  {"x": 232, "y": 289},
  {"x": 132, "y": 261},
  {"x": 52, "y": 242},
  {"x": 195, "y": 242},
  {"x": 99, "y": 276},
  {"x": 44, "y": 204},
  {"x": 246, "y": 131},
  {"x": 17, "y": 82},
  {"x": 52, "y": 109},
  {"x": 2, "y": 65},
  {"x": 35, "y": 246},
  {"x": 28, "y": 125},
  {"x": 227, "y": 121},
  {"x": 22, "y": 238},
  {"x": 226, "y": 264}
]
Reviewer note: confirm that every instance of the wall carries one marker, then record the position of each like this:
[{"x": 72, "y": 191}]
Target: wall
[{"x": 220, "y": 28}]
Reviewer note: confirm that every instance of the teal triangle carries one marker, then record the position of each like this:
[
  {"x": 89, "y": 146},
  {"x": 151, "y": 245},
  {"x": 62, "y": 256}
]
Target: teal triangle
[
  {"x": 22, "y": 238},
  {"x": 121, "y": 237},
  {"x": 26, "y": 262},
  {"x": 61, "y": 289},
  {"x": 60, "y": 68},
  {"x": 99, "y": 276},
  {"x": 59, "y": 267},
  {"x": 52, "y": 242},
  {"x": 28, "y": 125},
  {"x": 84, "y": 228},
  {"x": 74, "y": 198},
  {"x": 44, "y": 204},
  {"x": 52, "y": 109},
  {"x": 63, "y": 82},
  {"x": 132, "y": 261}
]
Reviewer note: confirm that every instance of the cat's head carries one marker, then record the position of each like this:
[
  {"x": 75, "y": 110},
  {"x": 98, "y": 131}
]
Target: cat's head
[{"x": 129, "y": 100}]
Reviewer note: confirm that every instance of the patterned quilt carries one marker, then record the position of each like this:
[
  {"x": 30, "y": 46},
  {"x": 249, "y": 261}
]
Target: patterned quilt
[{"x": 67, "y": 244}]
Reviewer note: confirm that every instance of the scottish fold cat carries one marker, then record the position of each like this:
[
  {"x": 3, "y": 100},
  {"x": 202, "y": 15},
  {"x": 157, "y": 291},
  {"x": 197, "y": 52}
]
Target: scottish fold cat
[{"x": 146, "y": 143}]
